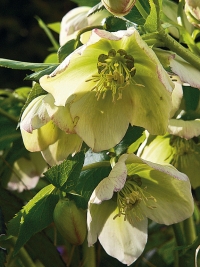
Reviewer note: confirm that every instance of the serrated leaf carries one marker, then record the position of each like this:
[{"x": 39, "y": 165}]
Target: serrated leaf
[
  {"x": 64, "y": 175},
  {"x": 151, "y": 24},
  {"x": 35, "y": 215},
  {"x": 88, "y": 181},
  {"x": 113, "y": 24},
  {"x": 13, "y": 64},
  {"x": 95, "y": 9}
]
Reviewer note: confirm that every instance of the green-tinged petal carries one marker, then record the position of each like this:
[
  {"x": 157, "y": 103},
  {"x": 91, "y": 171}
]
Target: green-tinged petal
[
  {"x": 184, "y": 129},
  {"x": 59, "y": 115},
  {"x": 35, "y": 115},
  {"x": 177, "y": 95},
  {"x": 40, "y": 138},
  {"x": 158, "y": 150},
  {"x": 186, "y": 72},
  {"x": 101, "y": 124},
  {"x": 167, "y": 191},
  {"x": 119, "y": 238},
  {"x": 65, "y": 145},
  {"x": 113, "y": 183}
]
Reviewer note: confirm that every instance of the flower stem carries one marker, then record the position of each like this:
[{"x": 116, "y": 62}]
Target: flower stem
[
  {"x": 141, "y": 9},
  {"x": 89, "y": 259},
  {"x": 179, "y": 49},
  {"x": 189, "y": 230},
  {"x": 177, "y": 227}
]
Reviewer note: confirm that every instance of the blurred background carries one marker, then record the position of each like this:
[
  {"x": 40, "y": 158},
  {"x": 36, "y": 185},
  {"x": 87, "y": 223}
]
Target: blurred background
[{"x": 21, "y": 38}]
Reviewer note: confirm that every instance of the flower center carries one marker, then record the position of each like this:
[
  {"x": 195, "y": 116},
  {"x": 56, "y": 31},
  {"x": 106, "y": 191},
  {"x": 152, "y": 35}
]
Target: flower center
[
  {"x": 115, "y": 73},
  {"x": 130, "y": 196},
  {"x": 183, "y": 147}
]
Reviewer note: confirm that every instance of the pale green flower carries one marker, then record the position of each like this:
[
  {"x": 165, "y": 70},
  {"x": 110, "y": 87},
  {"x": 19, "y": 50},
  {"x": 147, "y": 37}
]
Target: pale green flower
[
  {"x": 180, "y": 147},
  {"x": 41, "y": 130},
  {"x": 113, "y": 80},
  {"x": 192, "y": 10},
  {"x": 135, "y": 190}
]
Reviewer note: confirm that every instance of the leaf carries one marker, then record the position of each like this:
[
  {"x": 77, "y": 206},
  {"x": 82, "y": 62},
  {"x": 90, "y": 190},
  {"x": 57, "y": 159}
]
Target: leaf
[
  {"x": 3, "y": 253},
  {"x": 63, "y": 176},
  {"x": 13, "y": 64},
  {"x": 86, "y": 2},
  {"x": 191, "y": 96},
  {"x": 54, "y": 26},
  {"x": 132, "y": 135},
  {"x": 113, "y": 24},
  {"x": 95, "y": 9},
  {"x": 66, "y": 49},
  {"x": 37, "y": 75},
  {"x": 35, "y": 216},
  {"x": 42, "y": 248},
  {"x": 151, "y": 24}
]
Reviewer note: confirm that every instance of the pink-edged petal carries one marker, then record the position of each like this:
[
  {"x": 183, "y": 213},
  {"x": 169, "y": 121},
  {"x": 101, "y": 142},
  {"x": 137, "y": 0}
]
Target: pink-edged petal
[
  {"x": 113, "y": 183},
  {"x": 184, "y": 129}
]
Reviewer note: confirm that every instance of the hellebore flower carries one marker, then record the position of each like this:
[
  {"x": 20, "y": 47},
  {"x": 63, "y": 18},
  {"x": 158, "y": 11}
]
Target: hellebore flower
[
  {"x": 119, "y": 8},
  {"x": 113, "y": 80},
  {"x": 180, "y": 147},
  {"x": 26, "y": 172},
  {"x": 135, "y": 190},
  {"x": 77, "y": 19},
  {"x": 41, "y": 130}
]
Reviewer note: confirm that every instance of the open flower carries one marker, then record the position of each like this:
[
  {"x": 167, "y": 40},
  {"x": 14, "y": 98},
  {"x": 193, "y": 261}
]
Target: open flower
[
  {"x": 135, "y": 190},
  {"x": 41, "y": 130},
  {"x": 180, "y": 147},
  {"x": 113, "y": 80}
]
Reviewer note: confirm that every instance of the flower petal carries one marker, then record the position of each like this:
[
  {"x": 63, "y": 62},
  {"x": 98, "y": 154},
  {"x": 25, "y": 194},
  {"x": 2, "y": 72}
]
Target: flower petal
[
  {"x": 113, "y": 183},
  {"x": 184, "y": 129},
  {"x": 40, "y": 138},
  {"x": 65, "y": 145},
  {"x": 167, "y": 191},
  {"x": 119, "y": 238}
]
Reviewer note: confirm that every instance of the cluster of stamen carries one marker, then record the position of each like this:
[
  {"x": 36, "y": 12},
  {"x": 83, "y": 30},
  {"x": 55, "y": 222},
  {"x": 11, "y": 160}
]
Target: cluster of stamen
[
  {"x": 115, "y": 72},
  {"x": 182, "y": 147},
  {"x": 129, "y": 198}
]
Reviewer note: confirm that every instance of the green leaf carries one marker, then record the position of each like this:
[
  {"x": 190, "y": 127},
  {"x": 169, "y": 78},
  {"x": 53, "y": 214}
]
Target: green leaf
[
  {"x": 151, "y": 24},
  {"x": 13, "y": 64},
  {"x": 37, "y": 75},
  {"x": 43, "y": 249},
  {"x": 63, "y": 176},
  {"x": 66, "y": 49},
  {"x": 35, "y": 216},
  {"x": 54, "y": 26},
  {"x": 86, "y": 2},
  {"x": 113, "y": 24},
  {"x": 132, "y": 135},
  {"x": 191, "y": 96}
]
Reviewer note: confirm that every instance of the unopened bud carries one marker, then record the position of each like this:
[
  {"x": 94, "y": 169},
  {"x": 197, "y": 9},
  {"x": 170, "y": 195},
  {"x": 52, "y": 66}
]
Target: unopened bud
[
  {"x": 119, "y": 8},
  {"x": 70, "y": 221}
]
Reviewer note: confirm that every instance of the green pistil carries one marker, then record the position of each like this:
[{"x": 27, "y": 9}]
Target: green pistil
[
  {"x": 128, "y": 200},
  {"x": 115, "y": 72}
]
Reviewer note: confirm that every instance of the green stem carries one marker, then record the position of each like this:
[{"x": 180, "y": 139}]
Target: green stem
[
  {"x": 71, "y": 255},
  {"x": 96, "y": 165},
  {"x": 177, "y": 227},
  {"x": 189, "y": 230},
  {"x": 9, "y": 116},
  {"x": 89, "y": 256},
  {"x": 179, "y": 49},
  {"x": 141, "y": 9}
]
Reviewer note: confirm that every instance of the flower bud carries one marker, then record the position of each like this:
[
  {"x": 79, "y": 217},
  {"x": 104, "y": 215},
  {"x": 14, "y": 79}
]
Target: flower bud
[
  {"x": 70, "y": 221},
  {"x": 119, "y": 8},
  {"x": 192, "y": 10}
]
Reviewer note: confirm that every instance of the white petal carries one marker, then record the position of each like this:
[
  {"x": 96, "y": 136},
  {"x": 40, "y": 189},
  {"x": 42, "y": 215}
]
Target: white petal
[{"x": 184, "y": 129}]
